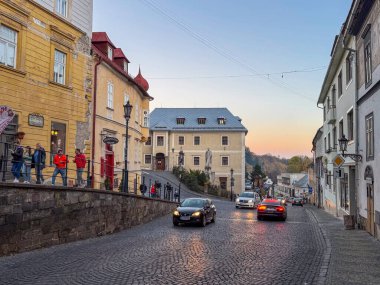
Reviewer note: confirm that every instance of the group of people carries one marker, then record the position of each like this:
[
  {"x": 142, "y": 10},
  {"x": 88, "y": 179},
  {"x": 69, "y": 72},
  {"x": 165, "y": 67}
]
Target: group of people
[{"x": 24, "y": 160}]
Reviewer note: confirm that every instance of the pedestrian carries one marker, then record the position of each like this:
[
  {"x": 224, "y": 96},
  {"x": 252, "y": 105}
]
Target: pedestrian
[
  {"x": 60, "y": 161},
  {"x": 17, "y": 161},
  {"x": 80, "y": 161},
  {"x": 38, "y": 162},
  {"x": 168, "y": 190},
  {"x": 27, "y": 166},
  {"x": 153, "y": 191}
]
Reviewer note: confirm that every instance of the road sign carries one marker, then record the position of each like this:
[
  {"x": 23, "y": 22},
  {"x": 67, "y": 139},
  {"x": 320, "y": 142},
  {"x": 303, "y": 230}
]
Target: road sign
[
  {"x": 338, "y": 173},
  {"x": 338, "y": 160}
]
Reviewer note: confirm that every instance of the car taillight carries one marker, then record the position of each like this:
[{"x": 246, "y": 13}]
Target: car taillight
[
  {"x": 261, "y": 208},
  {"x": 280, "y": 209}
]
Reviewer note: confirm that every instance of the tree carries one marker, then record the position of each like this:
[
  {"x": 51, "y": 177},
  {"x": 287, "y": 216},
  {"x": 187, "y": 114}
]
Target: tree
[
  {"x": 256, "y": 175},
  {"x": 298, "y": 164}
]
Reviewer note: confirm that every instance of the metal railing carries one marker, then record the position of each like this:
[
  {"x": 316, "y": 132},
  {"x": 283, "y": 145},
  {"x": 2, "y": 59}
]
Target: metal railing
[{"x": 139, "y": 182}]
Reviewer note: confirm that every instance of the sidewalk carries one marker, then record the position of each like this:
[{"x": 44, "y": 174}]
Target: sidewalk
[{"x": 354, "y": 255}]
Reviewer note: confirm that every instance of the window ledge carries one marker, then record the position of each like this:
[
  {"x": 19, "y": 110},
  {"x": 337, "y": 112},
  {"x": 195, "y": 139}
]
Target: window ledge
[
  {"x": 13, "y": 70},
  {"x": 60, "y": 85},
  {"x": 108, "y": 108}
]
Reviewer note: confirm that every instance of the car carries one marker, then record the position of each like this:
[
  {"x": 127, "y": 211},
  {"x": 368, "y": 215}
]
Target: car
[
  {"x": 271, "y": 208},
  {"x": 290, "y": 199},
  {"x": 282, "y": 200},
  {"x": 247, "y": 199},
  {"x": 297, "y": 202},
  {"x": 195, "y": 211},
  {"x": 248, "y": 185}
]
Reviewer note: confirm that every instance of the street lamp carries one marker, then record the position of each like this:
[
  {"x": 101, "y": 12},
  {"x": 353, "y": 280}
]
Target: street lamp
[
  {"x": 232, "y": 180},
  {"x": 180, "y": 162},
  {"x": 127, "y": 116},
  {"x": 173, "y": 158},
  {"x": 343, "y": 141}
]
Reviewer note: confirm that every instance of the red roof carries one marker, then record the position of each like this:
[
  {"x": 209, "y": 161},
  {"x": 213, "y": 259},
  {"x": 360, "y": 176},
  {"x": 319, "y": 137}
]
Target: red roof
[
  {"x": 118, "y": 53},
  {"x": 101, "y": 37},
  {"x": 140, "y": 80}
]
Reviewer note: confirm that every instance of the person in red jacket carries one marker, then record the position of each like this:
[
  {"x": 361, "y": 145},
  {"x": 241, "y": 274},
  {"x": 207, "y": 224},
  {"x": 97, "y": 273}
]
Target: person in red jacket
[
  {"x": 80, "y": 161},
  {"x": 60, "y": 161}
]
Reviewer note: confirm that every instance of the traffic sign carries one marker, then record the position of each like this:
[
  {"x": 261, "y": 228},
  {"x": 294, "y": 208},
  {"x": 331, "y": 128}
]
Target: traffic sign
[
  {"x": 338, "y": 160},
  {"x": 338, "y": 173}
]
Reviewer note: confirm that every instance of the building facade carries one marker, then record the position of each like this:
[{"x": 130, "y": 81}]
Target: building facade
[
  {"x": 292, "y": 185},
  {"x": 46, "y": 71},
  {"x": 113, "y": 88},
  {"x": 212, "y": 139}
]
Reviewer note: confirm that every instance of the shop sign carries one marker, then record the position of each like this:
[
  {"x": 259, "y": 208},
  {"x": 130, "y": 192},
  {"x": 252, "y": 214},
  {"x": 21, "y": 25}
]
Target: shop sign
[
  {"x": 6, "y": 116},
  {"x": 110, "y": 140},
  {"x": 36, "y": 120}
]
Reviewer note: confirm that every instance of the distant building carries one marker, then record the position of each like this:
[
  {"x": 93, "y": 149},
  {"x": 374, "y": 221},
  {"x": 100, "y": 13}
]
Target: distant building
[
  {"x": 292, "y": 184},
  {"x": 195, "y": 131}
]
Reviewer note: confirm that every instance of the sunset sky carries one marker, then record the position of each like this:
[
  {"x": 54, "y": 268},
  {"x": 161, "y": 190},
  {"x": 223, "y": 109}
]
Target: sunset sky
[{"x": 263, "y": 60}]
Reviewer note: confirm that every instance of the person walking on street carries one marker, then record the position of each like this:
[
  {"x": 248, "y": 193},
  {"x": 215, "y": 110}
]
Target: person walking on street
[
  {"x": 38, "y": 162},
  {"x": 153, "y": 191},
  {"x": 80, "y": 161},
  {"x": 26, "y": 168},
  {"x": 60, "y": 161},
  {"x": 17, "y": 161}
]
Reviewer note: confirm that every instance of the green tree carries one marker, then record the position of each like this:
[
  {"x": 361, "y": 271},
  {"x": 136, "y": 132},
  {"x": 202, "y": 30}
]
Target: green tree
[{"x": 298, "y": 164}]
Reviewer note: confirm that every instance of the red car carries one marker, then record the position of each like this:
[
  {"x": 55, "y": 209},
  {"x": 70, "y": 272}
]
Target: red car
[{"x": 271, "y": 208}]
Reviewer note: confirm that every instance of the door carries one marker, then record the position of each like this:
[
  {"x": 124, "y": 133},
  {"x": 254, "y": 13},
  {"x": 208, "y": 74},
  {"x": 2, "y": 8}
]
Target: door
[
  {"x": 370, "y": 210},
  {"x": 109, "y": 169},
  {"x": 160, "y": 161}
]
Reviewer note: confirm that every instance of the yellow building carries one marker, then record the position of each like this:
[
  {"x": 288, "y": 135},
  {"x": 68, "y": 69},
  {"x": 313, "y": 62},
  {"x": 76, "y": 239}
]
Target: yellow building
[
  {"x": 113, "y": 88},
  {"x": 46, "y": 72}
]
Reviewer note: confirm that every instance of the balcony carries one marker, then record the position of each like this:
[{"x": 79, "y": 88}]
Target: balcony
[
  {"x": 331, "y": 115},
  {"x": 330, "y": 150}
]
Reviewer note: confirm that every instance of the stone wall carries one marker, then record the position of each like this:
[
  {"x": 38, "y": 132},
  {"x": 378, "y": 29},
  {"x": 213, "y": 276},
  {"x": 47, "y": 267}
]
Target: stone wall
[{"x": 35, "y": 216}]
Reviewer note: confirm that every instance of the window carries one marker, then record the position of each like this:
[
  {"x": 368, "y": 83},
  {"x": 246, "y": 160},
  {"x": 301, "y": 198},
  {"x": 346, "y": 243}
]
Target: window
[
  {"x": 196, "y": 160},
  {"x": 197, "y": 140},
  {"x": 148, "y": 141},
  {"x": 110, "y": 52},
  {"x": 324, "y": 113},
  {"x": 160, "y": 141},
  {"x": 224, "y": 140},
  {"x": 350, "y": 125},
  {"x": 325, "y": 141},
  {"x": 125, "y": 66},
  {"x": 8, "y": 46},
  {"x": 137, "y": 114},
  {"x": 344, "y": 192},
  {"x": 367, "y": 57},
  {"x": 59, "y": 67},
  {"x": 61, "y": 7},
  {"x": 329, "y": 142},
  {"x": 340, "y": 85},
  {"x": 333, "y": 97},
  {"x": 180, "y": 121},
  {"x": 146, "y": 118},
  {"x": 349, "y": 68},
  {"x": 148, "y": 159},
  {"x": 110, "y": 95},
  {"x": 225, "y": 161},
  {"x": 341, "y": 131},
  {"x": 181, "y": 140},
  {"x": 57, "y": 138},
  {"x": 221, "y": 121},
  {"x": 334, "y": 139},
  {"x": 201, "y": 121},
  {"x": 369, "y": 136}
]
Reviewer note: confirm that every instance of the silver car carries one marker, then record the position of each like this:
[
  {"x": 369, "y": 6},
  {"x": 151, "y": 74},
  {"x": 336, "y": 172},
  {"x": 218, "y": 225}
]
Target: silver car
[{"x": 247, "y": 199}]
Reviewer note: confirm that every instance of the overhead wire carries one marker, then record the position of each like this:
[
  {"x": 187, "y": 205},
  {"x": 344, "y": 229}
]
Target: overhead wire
[{"x": 226, "y": 54}]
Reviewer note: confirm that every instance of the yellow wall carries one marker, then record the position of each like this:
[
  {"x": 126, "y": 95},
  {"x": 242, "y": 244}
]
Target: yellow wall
[{"x": 28, "y": 88}]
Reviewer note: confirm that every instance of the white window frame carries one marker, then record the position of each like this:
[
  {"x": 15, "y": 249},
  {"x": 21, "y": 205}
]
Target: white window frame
[
  {"x": 228, "y": 141},
  {"x": 125, "y": 66},
  {"x": 369, "y": 130},
  {"x": 9, "y": 44},
  {"x": 199, "y": 140},
  {"x": 61, "y": 7},
  {"x": 221, "y": 160},
  {"x": 145, "y": 158},
  {"x": 60, "y": 67},
  {"x": 163, "y": 140},
  {"x": 110, "y": 96},
  {"x": 110, "y": 52},
  {"x": 146, "y": 118}
]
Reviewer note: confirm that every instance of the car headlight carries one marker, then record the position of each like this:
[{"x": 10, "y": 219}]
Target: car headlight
[
  {"x": 196, "y": 214},
  {"x": 250, "y": 201},
  {"x": 176, "y": 213},
  {"x": 237, "y": 200}
]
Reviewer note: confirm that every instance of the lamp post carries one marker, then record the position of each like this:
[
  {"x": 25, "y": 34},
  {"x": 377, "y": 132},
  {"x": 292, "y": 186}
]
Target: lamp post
[
  {"x": 127, "y": 116},
  {"x": 173, "y": 158},
  {"x": 232, "y": 181},
  {"x": 180, "y": 161},
  {"x": 343, "y": 141}
]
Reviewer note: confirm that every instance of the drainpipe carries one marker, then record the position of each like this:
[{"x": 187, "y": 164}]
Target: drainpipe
[{"x": 93, "y": 121}]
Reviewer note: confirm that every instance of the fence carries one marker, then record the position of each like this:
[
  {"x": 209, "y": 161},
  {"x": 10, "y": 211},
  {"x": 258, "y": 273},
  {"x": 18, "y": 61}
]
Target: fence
[{"x": 139, "y": 182}]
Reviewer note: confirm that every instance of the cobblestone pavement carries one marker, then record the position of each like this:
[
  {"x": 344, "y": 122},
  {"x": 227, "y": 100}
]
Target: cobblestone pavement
[{"x": 237, "y": 249}]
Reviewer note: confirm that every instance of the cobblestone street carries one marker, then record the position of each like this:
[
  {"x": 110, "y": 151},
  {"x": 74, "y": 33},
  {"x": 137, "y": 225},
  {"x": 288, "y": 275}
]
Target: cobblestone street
[{"x": 237, "y": 249}]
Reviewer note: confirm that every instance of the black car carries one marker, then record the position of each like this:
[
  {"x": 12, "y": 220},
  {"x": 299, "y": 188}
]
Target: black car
[
  {"x": 297, "y": 202},
  {"x": 271, "y": 208},
  {"x": 195, "y": 211}
]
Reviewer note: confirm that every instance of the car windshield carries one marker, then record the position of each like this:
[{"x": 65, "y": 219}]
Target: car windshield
[
  {"x": 271, "y": 202},
  {"x": 198, "y": 203},
  {"x": 247, "y": 194}
]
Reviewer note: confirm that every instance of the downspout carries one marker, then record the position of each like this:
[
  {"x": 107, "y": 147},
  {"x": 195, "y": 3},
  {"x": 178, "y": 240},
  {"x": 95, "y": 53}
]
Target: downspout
[{"x": 93, "y": 121}]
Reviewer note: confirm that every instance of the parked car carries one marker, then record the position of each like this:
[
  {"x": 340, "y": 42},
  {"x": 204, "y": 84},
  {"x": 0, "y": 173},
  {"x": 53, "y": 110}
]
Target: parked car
[
  {"x": 248, "y": 185},
  {"x": 297, "y": 202},
  {"x": 271, "y": 208},
  {"x": 290, "y": 199},
  {"x": 195, "y": 211},
  {"x": 281, "y": 199},
  {"x": 247, "y": 199}
]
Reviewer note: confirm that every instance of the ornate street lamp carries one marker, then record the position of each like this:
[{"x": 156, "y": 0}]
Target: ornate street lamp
[
  {"x": 343, "y": 141},
  {"x": 232, "y": 181},
  {"x": 127, "y": 115}
]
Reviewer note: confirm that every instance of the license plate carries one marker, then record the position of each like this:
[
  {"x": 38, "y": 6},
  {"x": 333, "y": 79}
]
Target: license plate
[
  {"x": 270, "y": 210},
  {"x": 185, "y": 218}
]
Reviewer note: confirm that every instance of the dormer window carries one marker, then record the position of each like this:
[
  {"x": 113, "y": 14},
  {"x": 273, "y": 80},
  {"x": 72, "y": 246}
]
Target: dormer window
[
  {"x": 180, "y": 121},
  {"x": 201, "y": 121},
  {"x": 110, "y": 53},
  {"x": 221, "y": 121},
  {"x": 125, "y": 66}
]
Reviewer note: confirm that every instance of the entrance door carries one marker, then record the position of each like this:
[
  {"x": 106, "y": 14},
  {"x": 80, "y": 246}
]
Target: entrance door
[
  {"x": 109, "y": 167},
  {"x": 160, "y": 161},
  {"x": 370, "y": 210}
]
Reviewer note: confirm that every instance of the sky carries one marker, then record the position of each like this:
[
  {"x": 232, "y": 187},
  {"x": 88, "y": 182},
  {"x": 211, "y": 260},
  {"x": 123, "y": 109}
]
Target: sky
[{"x": 263, "y": 60}]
